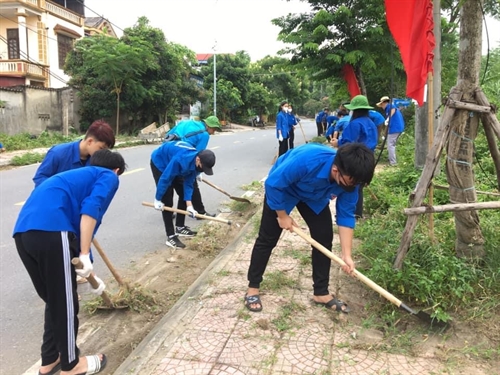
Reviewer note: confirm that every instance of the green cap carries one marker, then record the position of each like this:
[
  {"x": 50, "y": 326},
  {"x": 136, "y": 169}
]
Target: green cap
[
  {"x": 358, "y": 102},
  {"x": 213, "y": 122}
]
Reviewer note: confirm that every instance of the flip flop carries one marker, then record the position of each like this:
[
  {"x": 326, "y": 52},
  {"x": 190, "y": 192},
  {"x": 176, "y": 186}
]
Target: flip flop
[
  {"x": 252, "y": 300},
  {"x": 339, "y": 305},
  {"x": 54, "y": 370},
  {"x": 95, "y": 364}
]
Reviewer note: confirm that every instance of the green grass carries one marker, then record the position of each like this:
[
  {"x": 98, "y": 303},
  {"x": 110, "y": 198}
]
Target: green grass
[
  {"x": 284, "y": 320},
  {"x": 276, "y": 281},
  {"x": 27, "y": 159}
]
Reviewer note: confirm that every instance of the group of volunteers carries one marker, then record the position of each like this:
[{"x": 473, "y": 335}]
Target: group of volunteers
[
  {"x": 76, "y": 182},
  {"x": 73, "y": 188},
  {"x": 308, "y": 178}
]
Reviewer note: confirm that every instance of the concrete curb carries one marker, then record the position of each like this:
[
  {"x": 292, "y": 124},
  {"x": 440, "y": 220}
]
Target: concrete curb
[{"x": 176, "y": 321}]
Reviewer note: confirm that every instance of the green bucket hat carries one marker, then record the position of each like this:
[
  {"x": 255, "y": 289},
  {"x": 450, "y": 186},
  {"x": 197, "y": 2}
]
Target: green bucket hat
[
  {"x": 213, "y": 122},
  {"x": 358, "y": 102}
]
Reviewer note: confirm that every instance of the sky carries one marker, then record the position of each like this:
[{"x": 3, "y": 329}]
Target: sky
[
  {"x": 227, "y": 25},
  {"x": 230, "y": 25}
]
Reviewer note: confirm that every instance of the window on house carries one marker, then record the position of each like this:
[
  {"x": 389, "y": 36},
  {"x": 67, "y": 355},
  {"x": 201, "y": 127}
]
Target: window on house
[
  {"x": 65, "y": 44},
  {"x": 13, "y": 43}
]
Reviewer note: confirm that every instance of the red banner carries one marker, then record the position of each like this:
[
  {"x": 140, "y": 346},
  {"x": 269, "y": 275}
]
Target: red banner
[
  {"x": 412, "y": 27},
  {"x": 352, "y": 81}
]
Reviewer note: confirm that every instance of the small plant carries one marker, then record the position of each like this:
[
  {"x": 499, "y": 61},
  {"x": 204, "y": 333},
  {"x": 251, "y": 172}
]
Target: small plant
[
  {"x": 284, "y": 321},
  {"x": 276, "y": 281},
  {"x": 27, "y": 159},
  {"x": 253, "y": 186},
  {"x": 303, "y": 257}
]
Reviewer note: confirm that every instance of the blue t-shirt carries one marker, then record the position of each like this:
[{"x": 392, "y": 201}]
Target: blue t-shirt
[
  {"x": 396, "y": 122},
  {"x": 303, "y": 175},
  {"x": 321, "y": 117},
  {"x": 376, "y": 117},
  {"x": 292, "y": 121},
  {"x": 362, "y": 130},
  {"x": 331, "y": 119},
  {"x": 342, "y": 123},
  {"x": 197, "y": 135},
  {"x": 282, "y": 124},
  {"x": 60, "y": 158},
  {"x": 175, "y": 159},
  {"x": 58, "y": 204}
]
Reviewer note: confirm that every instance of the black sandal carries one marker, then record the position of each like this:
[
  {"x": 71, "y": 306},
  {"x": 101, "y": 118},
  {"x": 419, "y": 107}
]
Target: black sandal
[
  {"x": 339, "y": 305},
  {"x": 252, "y": 300}
]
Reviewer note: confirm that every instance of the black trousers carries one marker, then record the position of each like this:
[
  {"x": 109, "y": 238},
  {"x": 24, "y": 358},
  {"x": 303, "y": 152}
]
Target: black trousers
[
  {"x": 283, "y": 146},
  {"x": 321, "y": 228},
  {"x": 47, "y": 258},
  {"x": 359, "y": 205},
  {"x": 291, "y": 138},
  {"x": 168, "y": 200},
  {"x": 196, "y": 199}
]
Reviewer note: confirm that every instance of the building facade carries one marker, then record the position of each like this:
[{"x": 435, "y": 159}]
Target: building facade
[{"x": 35, "y": 37}]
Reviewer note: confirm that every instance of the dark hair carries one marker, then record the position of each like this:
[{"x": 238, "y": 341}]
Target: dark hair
[
  {"x": 281, "y": 105},
  {"x": 357, "y": 113},
  {"x": 101, "y": 132},
  {"x": 342, "y": 112},
  {"x": 108, "y": 159},
  {"x": 357, "y": 161}
]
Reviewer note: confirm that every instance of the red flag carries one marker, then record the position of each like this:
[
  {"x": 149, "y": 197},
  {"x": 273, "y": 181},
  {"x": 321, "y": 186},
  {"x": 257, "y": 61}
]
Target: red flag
[
  {"x": 350, "y": 78},
  {"x": 412, "y": 27}
]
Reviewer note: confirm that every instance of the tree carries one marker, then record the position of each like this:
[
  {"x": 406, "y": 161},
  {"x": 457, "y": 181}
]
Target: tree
[
  {"x": 116, "y": 64},
  {"x": 334, "y": 34},
  {"x": 167, "y": 83}
]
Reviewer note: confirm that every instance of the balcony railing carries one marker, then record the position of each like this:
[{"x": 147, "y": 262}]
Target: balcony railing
[
  {"x": 51, "y": 8},
  {"x": 22, "y": 68}
]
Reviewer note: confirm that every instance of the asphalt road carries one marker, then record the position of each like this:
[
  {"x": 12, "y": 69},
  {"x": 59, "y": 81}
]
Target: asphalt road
[{"x": 128, "y": 231}]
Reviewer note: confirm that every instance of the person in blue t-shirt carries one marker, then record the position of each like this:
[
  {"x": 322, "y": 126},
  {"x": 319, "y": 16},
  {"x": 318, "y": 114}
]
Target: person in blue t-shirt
[
  {"x": 360, "y": 129},
  {"x": 66, "y": 156},
  {"x": 378, "y": 120},
  {"x": 175, "y": 166},
  {"x": 336, "y": 128},
  {"x": 57, "y": 223},
  {"x": 197, "y": 134},
  {"x": 292, "y": 122},
  {"x": 321, "y": 121},
  {"x": 282, "y": 127},
  {"x": 307, "y": 178},
  {"x": 396, "y": 122}
]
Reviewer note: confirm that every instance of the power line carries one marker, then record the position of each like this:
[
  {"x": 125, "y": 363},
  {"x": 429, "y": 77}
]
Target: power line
[{"x": 100, "y": 15}]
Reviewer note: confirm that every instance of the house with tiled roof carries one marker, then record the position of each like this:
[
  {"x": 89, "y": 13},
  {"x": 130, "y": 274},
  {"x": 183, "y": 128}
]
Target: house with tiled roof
[{"x": 98, "y": 25}]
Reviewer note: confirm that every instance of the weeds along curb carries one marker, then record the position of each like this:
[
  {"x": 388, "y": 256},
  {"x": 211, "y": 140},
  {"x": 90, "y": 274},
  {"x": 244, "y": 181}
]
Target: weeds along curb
[{"x": 176, "y": 321}]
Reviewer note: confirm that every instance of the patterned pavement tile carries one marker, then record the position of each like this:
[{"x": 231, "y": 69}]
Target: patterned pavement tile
[
  {"x": 346, "y": 361},
  {"x": 200, "y": 346},
  {"x": 399, "y": 364},
  {"x": 307, "y": 351},
  {"x": 223, "y": 369},
  {"x": 214, "y": 319},
  {"x": 248, "y": 351},
  {"x": 172, "y": 366},
  {"x": 223, "y": 300}
]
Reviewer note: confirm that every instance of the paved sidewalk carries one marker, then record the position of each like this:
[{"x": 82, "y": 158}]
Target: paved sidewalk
[{"x": 209, "y": 332}]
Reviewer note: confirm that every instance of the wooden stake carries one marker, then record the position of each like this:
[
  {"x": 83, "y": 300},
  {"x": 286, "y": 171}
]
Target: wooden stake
[
  {"x": 430, "y": 132},
  {"x": 453, "y": 207}
]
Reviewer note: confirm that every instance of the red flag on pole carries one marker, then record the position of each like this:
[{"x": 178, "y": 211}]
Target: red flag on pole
[
  {"x": 412, "y": 27},
  {"x": 350, "y": 78}
]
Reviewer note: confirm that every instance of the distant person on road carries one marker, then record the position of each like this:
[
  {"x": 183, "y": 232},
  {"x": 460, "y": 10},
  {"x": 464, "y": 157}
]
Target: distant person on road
[
  {"x": 307, "y": 178},
  {"x": 396, "y": 123},
  {"x": 72, "y": 155},
  {"x": 378, "y": 120},
  {"x": 197, "y": 134},
  {"x": 335, "y": 129},
  {"x": 175, "y": 166},
  {"x": 321, "y": 121},
  {"x": 292, "y": 123},
  {"x": 56, "y": 224},
  {"x": 282, "y": 127}
]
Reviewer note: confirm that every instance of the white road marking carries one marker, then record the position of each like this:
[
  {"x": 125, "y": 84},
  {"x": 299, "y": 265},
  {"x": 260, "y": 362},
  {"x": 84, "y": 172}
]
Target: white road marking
[{"x": 132, "y": 171}]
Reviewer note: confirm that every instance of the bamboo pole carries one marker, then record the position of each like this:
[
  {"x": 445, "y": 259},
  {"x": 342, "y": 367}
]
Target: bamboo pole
[
  {"x": 442, "y": 187},
  {"x": 452, "y": 207},
  {"x": 430, "y": 132}
]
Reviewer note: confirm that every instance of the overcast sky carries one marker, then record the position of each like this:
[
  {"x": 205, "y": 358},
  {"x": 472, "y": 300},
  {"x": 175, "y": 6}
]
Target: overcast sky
[{"x": 235, "y": 24}]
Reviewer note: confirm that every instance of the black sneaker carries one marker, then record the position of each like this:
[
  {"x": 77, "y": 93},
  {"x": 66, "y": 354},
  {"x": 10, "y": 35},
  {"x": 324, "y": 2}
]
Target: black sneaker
[
  {"x": 173, "y": 241},
  {"x": 184, "y": 231}
]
